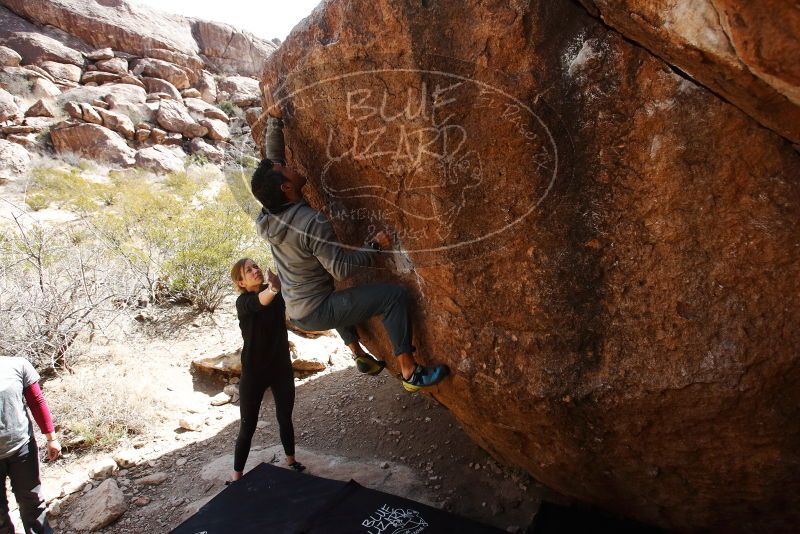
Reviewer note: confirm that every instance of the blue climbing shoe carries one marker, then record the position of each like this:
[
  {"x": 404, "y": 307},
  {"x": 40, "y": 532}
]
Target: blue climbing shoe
[
  {"x": 369, "y": 365},
  {"x": 424, "y": 377}
]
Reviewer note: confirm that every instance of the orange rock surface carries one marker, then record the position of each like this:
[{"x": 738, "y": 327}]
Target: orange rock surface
[{"x": 605, "y": 252}]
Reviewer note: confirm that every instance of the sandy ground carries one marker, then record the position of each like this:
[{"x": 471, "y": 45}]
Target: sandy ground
[{"x": 347, "y": 425}]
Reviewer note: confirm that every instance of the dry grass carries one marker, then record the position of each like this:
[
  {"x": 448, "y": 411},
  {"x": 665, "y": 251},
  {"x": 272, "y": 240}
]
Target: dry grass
[{"x": 98, "y": 407}]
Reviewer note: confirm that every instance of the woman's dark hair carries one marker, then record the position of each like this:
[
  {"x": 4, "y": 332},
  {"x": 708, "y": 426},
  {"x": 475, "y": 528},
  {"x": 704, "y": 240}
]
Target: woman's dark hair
[{"x": 266, "y": 185}]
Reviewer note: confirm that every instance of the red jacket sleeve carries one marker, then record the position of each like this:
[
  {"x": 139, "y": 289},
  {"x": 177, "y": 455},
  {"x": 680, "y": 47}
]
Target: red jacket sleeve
[{"x": 38, "y": 406}]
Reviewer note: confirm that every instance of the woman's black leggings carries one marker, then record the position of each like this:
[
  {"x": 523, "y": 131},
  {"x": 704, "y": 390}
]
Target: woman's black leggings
[{"x": 251, "y": 391}]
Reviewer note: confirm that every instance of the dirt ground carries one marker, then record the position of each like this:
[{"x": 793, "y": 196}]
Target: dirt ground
[{"x": 347, "y": 425}]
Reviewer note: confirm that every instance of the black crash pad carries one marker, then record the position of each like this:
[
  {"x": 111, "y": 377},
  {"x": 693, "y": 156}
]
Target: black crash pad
[{"x": 271, "y": 499}]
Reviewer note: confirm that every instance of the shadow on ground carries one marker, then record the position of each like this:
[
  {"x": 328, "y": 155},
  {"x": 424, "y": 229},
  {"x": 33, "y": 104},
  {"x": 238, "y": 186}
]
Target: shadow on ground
[{"x": 347, "y": 426}]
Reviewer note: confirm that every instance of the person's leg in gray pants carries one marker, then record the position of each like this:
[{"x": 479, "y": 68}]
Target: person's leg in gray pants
[
  {"x": 22, "y": 468},
  {"x": 343, "y": 310}
]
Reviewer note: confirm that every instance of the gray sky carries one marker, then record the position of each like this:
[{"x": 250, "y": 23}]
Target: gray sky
[{"x": 264, "y": 18}]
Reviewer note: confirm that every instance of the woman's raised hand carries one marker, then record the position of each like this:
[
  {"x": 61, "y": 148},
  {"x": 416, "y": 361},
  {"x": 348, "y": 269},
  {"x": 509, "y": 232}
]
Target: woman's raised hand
[{"x": 273, "y": 280}]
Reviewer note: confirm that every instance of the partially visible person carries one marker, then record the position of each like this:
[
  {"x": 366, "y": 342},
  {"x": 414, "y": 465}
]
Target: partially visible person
[
  {"x": 266, "y": 362},
  {"x": 19, "y": 455}
]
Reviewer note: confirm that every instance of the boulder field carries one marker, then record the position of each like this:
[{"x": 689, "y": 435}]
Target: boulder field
[
  {"x": 61, "y": 96},
  {"x": 139, "y": 30},
  {"x": 604, "y": 251}
]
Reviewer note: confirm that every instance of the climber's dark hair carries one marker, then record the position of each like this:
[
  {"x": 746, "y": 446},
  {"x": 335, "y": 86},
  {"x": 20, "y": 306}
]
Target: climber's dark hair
[{"x": 266, "y": 185}]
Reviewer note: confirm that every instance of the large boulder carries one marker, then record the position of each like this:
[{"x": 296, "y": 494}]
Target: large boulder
[
  {"x": 42, "y": 108},
  {"x": 217, "y": 130},
  {"x": 9, "y": 110},
  {"x": 100, "y": 54},
  {"x": 119, "y": 122},
  {"x": 44, "y": 88},
  {"x": 160, "y": 159},
  {"x": 23, "y": 81},
  {"x": 230, "y": 50},
  {"x": 157, "y": 85},
  {"x": 37, "y": 47},
  {"x": 100, "y": 507},
  {"x": 243, "y": 91},
  {"x": 156, "y": 68},
  {"x": 121, "y": 92},
  {"x": 116, "y": 65},
  {"x": 745, "y": 51},
  {"x": 208, "y": 87},
  {"x": 603, "y": 251},
  {"x": 92, "y": 141},
  {"x": 173, "y": 117},
  {"x": 14, "y": 160},
  {"x": 200, "y": 109},
  {"x": 204, "y": 148},
  {"x": 62, "y": 71},
  {"x": 99, "y": 77},
  {"x": 91, "y": 114},
  {"x": 8, "y": 57},
  {"x": 192, "y": 63}
]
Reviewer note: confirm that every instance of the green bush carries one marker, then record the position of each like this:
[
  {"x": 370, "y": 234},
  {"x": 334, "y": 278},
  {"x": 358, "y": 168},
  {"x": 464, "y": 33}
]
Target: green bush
[
  {"x": 177, "y": 242},
  {"x": 184, "y": 184},
  {"x": 36, "y": 201},
  {"x": 206, "y": 243},
  {"x": 247, "y": 163},
  {"x": 230, "y": 109},
  {"x": 67, "y": 189},
  {"x": 176, "y": 239},
  {"x": 197, "y": 159}
]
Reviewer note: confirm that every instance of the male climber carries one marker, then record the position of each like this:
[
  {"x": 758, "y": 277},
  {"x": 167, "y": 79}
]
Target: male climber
[{"x": 309, "y": 257}]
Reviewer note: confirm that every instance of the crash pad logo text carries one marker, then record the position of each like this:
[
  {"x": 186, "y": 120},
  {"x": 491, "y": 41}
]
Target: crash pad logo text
[{"x": 388, "y": 520}]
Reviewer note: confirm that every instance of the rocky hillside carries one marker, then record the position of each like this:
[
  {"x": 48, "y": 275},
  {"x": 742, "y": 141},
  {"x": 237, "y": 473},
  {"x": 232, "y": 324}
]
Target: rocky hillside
[
  {"x": 123, "y": 85},
  {"x": 603, "y": 247}
]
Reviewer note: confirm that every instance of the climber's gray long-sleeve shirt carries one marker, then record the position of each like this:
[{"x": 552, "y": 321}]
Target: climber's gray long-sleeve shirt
[{"x": 307, "y": 254}]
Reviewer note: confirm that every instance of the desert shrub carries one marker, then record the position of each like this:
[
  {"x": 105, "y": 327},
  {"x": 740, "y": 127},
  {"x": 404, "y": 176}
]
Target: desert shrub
[
  {"x": 178, "y": 241},
  {"x": 206, "y": 242},
  {"x": 199, "y": 159},
  {"x": 54, "y": 285},
  {"x": 246, "y": 162},
  {"x": 184, "y": 184},
  {"x": 89, "y": 420},
  {"x": 230, "y": 109},
  {"x": 43, "y": 136},
  {"x": 37, "y": 201},
  {"x": 67, "y": 189},
  {"x": 17, "y": 86},
  {"x": 238, "y": 183},
  {"x": 174, "y": 240},
  {"x": 138, "y": 231}
]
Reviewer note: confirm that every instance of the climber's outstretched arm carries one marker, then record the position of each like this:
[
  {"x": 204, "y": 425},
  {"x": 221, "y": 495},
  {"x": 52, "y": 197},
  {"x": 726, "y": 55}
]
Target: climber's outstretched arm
[
  {"x": 274, "y": 145},
  {"x": 273, "y": 141}
]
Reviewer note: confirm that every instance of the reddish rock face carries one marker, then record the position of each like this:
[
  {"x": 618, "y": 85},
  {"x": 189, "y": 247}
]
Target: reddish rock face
[
  {"x": 605, "y": 253},
  {"x": 746, "y": 51}
]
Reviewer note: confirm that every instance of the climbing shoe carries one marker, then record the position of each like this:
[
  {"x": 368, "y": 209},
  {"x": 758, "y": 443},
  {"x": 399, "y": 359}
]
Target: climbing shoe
[
  {"x": 369, "y": 365},
  {"x": 297, "y": 466},
  {"x": 424, "y": 377}
]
